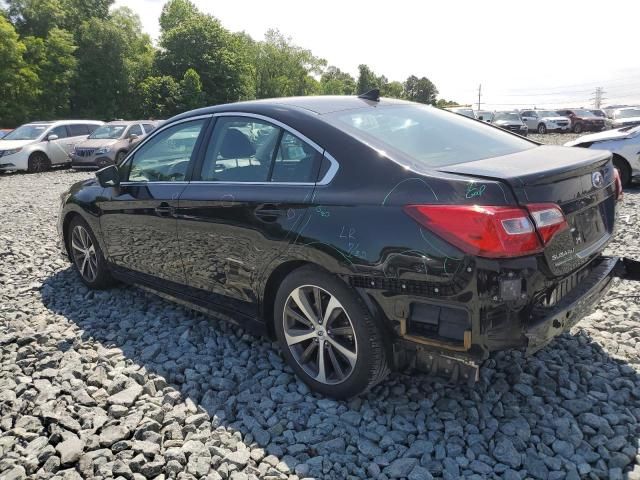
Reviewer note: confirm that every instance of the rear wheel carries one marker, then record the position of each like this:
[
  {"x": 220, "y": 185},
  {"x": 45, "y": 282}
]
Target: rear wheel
[
  {"x": 327, "y": 335},
  {"x": 38, "y": 162},
  {"x": 577, "y": 128},
  {"x": 87, "y": 256},
  {"x": 542, "y": 128},
  {"x": 624, "y": 169}
]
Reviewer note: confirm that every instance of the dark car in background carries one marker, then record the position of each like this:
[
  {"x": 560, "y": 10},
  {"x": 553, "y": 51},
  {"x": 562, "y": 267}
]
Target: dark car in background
[
  {"x": 363, "y": 234},
  {"x": 510, "y": 121},
  {"x": 583, "y": 120}
]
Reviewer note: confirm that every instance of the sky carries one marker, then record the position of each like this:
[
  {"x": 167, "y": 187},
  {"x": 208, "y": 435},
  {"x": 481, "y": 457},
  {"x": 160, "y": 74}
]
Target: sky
[{"x": 539, "y": 53}]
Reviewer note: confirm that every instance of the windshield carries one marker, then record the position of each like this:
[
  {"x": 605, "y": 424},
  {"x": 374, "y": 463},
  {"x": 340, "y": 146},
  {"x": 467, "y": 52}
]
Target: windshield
[
  {"x": 548, "y": 113},
  {"x": 420, "y": 136},
  {"x": 583, "y": 113},
  {"x": 108, "y": 131},
  {"x": 627, "y": 113},
  {"x": 514, "y": 117},
  {"x": 27, "y": 132}
]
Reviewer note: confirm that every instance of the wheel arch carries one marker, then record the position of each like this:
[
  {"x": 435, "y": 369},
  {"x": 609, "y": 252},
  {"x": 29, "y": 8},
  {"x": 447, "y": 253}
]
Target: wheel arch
[
  {"x": 625, "y": 162},
  {"x": 68, "y": 218}
]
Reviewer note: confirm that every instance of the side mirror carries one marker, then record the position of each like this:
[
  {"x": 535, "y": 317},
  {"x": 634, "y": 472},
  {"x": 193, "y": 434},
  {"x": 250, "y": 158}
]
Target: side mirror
[
  {"x": 108, "y": 176},
  {"x": 133, "y": 137},
  {"x": 52, "y": 137}
]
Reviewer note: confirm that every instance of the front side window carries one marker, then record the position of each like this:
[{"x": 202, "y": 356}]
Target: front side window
[
  {"x": 135, "y": 130},
  {"x": 241, "y": 150},
  {"x": 60, "y": 131},
  {"x": 422, "y": 137},
  {"x": 166, "y": 156},
  {"x": 296, "y": 161}
]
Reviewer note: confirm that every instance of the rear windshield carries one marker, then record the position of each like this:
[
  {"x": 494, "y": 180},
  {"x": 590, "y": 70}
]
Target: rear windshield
[{"x": 427, "y": 137}]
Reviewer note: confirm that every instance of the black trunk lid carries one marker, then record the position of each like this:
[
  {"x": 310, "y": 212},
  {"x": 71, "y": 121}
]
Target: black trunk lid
[{"x": 580, "y": 181}]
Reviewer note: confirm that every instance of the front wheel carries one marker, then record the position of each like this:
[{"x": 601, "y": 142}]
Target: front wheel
[
  {"x": 87, "y": 256},
  {"x": 577, "y": 128},
  {"x": 542, "y": 128},
  {"x": 327, "y": 335},
  {"x": 38, "y": 162}
]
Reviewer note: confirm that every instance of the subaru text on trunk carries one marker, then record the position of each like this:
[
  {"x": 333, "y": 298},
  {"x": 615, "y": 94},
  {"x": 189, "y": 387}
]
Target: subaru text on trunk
[{"x": 363, "y": 234}]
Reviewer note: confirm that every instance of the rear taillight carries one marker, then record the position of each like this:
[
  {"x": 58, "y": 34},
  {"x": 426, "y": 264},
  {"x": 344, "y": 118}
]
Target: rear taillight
[
  {"x": 616, "y": 175},
  {"x": 548, "y": 218},
  {"x": 492, "y": 231}
]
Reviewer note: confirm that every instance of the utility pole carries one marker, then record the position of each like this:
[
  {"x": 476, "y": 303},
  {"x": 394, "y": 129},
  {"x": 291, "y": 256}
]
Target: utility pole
[
  {"x": 598, "y": 97},
  {"x": 479, "y": 95}
]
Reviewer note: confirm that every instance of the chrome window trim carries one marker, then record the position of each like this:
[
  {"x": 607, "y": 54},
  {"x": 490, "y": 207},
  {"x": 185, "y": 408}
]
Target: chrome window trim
[{"x": 325, "y": 180}]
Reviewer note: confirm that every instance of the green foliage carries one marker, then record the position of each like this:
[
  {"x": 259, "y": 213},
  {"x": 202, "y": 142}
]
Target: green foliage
[
  {"x": 420, "y": 90},
  {"x": 175, "y": 12},
  {"x": 191, "y": 95},
  {"x": 283, "y": 69},
  {"x": 442, "y": 103},
  {"x": 367, "y": 80},
  {"x": 392, "y": 90},
  {"x": 158, "y": 97},
  {"x": 18, "y": 82},
  {"x": 336, "y": 82}
]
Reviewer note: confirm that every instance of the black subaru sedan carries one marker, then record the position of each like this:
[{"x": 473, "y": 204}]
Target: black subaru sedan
[{"x": 364, "y": 234}]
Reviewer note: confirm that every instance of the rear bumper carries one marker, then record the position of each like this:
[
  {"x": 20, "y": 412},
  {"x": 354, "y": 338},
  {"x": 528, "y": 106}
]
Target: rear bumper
[{"x": 551, "y": 322}]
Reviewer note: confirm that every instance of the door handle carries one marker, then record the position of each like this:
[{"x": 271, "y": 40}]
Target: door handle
[{"x": 164, "y": 210}]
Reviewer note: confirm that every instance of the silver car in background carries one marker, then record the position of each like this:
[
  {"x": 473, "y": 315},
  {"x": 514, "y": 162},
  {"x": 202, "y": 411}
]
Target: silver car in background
[
  {"x": 624, "y": 117},
  {"x": 466, "y": 111},
  {"x": 623, "y": 142},
  {"x": 543, "y": 121},
  {"x": 110, "y": 143}
]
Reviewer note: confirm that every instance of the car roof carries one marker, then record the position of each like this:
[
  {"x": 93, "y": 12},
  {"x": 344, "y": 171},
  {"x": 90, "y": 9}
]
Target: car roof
[
  {"x": 129, "y": 122},
  {"x": 64, "y": 122}
]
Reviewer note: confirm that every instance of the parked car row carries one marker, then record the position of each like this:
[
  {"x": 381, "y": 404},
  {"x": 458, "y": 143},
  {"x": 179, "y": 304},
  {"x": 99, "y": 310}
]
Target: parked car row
[{"x": 40, "y": 145}]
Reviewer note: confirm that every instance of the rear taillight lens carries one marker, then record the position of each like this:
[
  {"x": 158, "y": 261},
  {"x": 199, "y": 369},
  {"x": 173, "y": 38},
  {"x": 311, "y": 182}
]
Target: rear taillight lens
[
  {"x": 491, "y": 231},
  {"x": 616, "y": 175},
  {"x": 484, "y": 231},
  {"x": 548, "y": 218}
]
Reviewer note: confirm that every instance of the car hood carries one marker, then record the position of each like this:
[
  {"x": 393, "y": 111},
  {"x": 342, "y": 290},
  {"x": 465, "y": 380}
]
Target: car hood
[
  {"x": 11, "y": 144},
  {"x": 627, "y": 120},
  {"x": 98, "y": 142},
  {"x": 606, "y": 135}
]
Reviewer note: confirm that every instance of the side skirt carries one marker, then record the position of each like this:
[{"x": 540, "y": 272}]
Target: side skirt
[{"x": 219, "y": 312}]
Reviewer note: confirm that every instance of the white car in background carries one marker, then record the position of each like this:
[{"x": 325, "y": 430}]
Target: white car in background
[
  {"x": 624, "y": 117},
  {"x": 543, "y": 121},
  {"x": 37, "y": 146},
  {"x": 466, "y": 111},
  {"x": 623, "y": 142}
]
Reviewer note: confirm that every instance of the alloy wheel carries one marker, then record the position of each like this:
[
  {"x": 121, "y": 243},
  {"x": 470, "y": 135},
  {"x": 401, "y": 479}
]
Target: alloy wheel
[
  {"x": 319, "y": 334},
  {"x": 39, "y": 164},
  {"x": 542, "y": 128},
  {"x": 84, "y": 253}
]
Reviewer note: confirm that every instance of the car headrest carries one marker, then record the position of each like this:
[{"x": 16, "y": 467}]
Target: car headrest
[{"x": 236, "y": 145}]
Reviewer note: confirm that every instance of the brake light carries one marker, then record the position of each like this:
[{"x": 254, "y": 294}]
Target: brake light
[
  {"x": 616, "y": 175},
  {"x": 548, "y": 218},
  {"x": 490, "y": 231},
  {"x": 485, "y": 231}
]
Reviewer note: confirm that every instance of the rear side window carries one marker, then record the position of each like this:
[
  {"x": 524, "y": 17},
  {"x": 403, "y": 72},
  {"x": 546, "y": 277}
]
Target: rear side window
[
  {"x": 241, "y": 150},
  {"x": 296, "y": 161},
  {"x": 148, "y": 127},
  {"x": 77, "y": 130},
  {"x": 135, "y": 130},
  {"x": 425, "y": 137}
]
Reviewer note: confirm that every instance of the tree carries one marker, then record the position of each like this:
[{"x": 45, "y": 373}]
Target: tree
[
  {"x": 158, "y": 97},
  {"x": 420, "y": 90},
  {"x": 283, "y": 69},
  {"x": 18, "y": 82},
  {"x": 367, "y": 80},
  {"x": 442, "y": 103},
  {"x": 392, "y": 90},
  {"x": 175, "y": 12},
  {"x": 336, "y": 82},
  {"x": 54, "y": 62},
  {"x": 198, "y": 41},
  {"x": 191, "y": 91}
]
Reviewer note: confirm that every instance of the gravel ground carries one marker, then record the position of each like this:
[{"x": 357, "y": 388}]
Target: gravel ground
[{"x": 122, "y": 384}]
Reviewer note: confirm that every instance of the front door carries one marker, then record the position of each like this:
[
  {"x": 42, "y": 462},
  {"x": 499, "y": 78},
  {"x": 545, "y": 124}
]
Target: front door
[
  {"x": 254, "y": 186},
  {"x": 138, "y": 217},
  {"x": 57, "y": 149}
]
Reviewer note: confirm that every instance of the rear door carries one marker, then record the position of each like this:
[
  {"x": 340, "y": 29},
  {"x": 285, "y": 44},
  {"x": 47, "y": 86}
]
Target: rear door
[
  {"x": 580, "y": 181},
  {"x": 253, "y": 187},
  {"x": 138, "y": 218}
]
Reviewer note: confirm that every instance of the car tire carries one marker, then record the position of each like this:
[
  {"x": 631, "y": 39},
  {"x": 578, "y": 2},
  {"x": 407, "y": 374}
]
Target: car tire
[
  {"x": 87, "y": 256},
  {"x": 120, "y": 156},
  {"x": 577, "y": 128},
  {"x": 343, "y": 352},
  {"x": 38, "y": 162},
  {"x": 624, "y": 169},
  {"x": 542, "y": 128}
]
